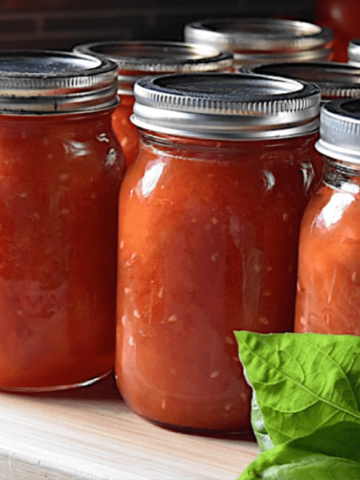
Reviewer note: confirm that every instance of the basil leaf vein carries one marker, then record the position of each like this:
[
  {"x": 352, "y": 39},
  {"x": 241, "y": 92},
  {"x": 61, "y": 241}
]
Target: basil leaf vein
[{"x": 302, "y": 381}]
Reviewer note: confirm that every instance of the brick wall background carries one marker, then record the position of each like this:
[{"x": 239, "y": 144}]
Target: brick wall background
[{"x": 61, "y": 24}]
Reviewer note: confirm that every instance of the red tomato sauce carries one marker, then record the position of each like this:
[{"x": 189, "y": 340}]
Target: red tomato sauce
[
  {"x": 60, "y": 177},
  {"x": 208, "y": 245},
  {"x": 125, "y": 131},
  {"x": 328, "y": 293}
]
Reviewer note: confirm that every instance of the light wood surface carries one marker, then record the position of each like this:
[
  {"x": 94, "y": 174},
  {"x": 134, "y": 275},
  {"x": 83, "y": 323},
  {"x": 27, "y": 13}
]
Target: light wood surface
[{"x": 89, "y": 434}]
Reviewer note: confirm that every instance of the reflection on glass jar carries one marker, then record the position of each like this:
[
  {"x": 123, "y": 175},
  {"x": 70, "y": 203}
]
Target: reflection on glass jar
[
  {"x": 354, "y": 52},
  {"x": 60, "y": 173},
  {"x": 209, "y": 222}
]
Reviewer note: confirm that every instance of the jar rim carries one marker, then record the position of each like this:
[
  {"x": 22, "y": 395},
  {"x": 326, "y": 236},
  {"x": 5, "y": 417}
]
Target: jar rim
[
  {"x": 226, "y": 106},
  {"x": 340, "y": 130},
  {"x": 156, "y": 57},
  {"x": 34, "y": 82}
]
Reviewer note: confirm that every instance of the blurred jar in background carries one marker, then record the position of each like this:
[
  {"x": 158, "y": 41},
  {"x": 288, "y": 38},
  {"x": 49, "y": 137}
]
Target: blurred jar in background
[
  {"x": 209, "y": 220},
  {"x": 343, "y": 17},
  {"x": 136, "y": 60},
  {"x": 263, "y": 40},
  {"x": 60, "y": 172},
  {"x": 335, "y": 80},
  {"x": 328, "y": 293}
]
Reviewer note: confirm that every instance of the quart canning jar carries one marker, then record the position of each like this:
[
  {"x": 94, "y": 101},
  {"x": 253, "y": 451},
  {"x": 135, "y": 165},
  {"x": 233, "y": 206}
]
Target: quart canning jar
[
  {"x": 209, "y": 220},
  {"x": 138, "y": 59},
  {"x": 263, "y": 40},
  {"x": 328, "y": 293},
  {"x": 61, "y": 167}
]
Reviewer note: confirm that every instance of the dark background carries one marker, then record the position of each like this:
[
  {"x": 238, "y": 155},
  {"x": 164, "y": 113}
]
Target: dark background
[{"x": 61, "y": 24}]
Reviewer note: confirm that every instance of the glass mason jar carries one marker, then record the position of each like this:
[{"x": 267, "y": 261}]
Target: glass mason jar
[
  {"x": 328, "y": 290},
  {"x": 61, "y": 167},
  {"x": 354, "y": 52},
  {"x": 208, "y": 226},
  {"x": 263, "y": 40},
  {"x": 136, "y": 60}
]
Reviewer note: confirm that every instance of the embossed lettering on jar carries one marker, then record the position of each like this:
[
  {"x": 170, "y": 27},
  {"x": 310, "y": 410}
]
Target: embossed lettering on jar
[
  {"x": 61, "y": 168},
  {"x": 208, "y": 226}
]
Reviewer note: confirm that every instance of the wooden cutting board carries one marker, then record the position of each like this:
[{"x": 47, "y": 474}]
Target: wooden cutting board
[{"x": 89, "y": 434}]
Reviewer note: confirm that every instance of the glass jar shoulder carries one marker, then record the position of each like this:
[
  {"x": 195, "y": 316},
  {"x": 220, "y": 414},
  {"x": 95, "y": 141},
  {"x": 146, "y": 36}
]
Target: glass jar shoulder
[
  {"x": 269, "y": 168},
  {"x": 65, "y": 142}
]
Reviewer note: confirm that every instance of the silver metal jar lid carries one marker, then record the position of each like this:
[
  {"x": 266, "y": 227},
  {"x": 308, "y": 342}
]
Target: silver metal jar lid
[
  {"x": 263, "y": 40},
  {"x": 34, "y": 82},
  {"x": 156, "y": 57},
  {"x": 335, "y": 80},
  {"x": 226, "y": 106},
  {"x": 340, "y": 130},
  {"x": 354, "y": 52}
]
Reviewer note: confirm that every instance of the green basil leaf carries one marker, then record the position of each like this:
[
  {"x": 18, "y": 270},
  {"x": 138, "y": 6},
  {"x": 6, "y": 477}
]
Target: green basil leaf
[
  {"x": 302, "y": 381},
  {"x": 285, "y": 463},
  {"x": 329, "y": 453},
  {"x": 339, "y": 440}
]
